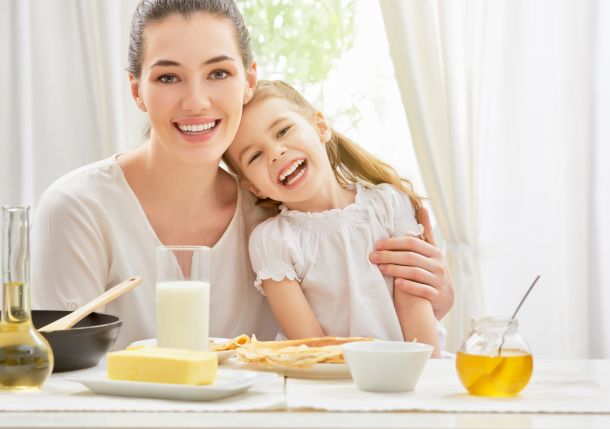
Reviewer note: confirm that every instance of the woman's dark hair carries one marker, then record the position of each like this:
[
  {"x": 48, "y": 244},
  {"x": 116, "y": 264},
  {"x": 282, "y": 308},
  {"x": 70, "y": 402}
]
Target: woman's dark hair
[{"x": 149, "y": 11}]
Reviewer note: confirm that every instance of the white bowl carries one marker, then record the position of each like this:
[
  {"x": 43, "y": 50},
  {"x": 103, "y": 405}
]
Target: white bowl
[{"x": 386, "y": 366}]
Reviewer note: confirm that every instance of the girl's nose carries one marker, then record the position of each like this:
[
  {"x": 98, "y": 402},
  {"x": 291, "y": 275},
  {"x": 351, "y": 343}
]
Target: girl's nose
[{"x": 278, "y": 153}]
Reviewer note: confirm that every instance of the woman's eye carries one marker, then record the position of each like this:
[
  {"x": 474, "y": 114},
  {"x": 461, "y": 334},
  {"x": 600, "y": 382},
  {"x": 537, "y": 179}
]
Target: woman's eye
[
  {"x": 167, "y": 78},
  {"x": 254, "y": 156},
  {"x": 219, "y": 74},
  {"x": 282, "y": 131}
]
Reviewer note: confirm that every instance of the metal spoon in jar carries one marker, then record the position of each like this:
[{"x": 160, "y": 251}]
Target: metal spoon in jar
[{"x": 517, "y": 310}]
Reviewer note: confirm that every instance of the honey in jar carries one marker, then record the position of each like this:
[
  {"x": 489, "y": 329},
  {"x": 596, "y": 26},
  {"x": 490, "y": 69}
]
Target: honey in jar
[{"x": 494, "y": 360}]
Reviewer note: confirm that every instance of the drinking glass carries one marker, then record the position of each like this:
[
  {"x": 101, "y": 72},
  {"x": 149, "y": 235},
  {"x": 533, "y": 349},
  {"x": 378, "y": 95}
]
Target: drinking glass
[{"x": 183, "y": 297}]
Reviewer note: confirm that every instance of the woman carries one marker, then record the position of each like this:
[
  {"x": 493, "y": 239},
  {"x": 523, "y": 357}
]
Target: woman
[{"x": 191, "y": 70}]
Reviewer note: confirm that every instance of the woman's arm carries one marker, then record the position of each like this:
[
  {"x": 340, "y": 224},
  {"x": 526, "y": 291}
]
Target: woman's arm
[
  {"x": 418, "y": 266},
  {"x": 291, "y": 309}
]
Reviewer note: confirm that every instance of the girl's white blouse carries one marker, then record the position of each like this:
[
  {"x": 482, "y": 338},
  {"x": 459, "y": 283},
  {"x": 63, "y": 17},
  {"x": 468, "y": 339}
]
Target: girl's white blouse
[{"x": 328, "y": 253}]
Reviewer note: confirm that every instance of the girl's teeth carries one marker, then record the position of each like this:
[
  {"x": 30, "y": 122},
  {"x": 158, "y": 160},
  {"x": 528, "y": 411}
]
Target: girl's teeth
[
  {"x": 295, "y": 178},
  {"x": 290, "y": 170}
]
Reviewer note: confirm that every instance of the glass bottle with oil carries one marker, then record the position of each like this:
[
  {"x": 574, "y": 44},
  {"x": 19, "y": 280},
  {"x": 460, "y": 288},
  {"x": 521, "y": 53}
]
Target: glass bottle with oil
[
  {"x": 494, "y": 360},
  {"x": 26, "y": 359}
]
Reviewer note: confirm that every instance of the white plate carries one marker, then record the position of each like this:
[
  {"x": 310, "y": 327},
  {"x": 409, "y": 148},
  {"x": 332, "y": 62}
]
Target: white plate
[
  {"x": 222, "y": 355},
  {"x": 319, "y": 371},
  {"x": 228, "y": 383}
]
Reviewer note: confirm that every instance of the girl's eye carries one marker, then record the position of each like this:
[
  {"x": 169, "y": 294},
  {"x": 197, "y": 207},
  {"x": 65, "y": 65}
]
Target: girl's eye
[
  {"x": 167, "y": 78},
  {"x": 219, "y": 74},
  {"x": 283, "y": 131},
  {"x": 254, "y": 156}
]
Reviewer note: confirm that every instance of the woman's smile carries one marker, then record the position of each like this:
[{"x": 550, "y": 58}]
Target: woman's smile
[{"x": 197, "y": 130}]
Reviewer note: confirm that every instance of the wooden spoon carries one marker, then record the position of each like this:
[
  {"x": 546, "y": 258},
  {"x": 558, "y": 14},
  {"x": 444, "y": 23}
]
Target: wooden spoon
[{"x": 76, "y": 316}]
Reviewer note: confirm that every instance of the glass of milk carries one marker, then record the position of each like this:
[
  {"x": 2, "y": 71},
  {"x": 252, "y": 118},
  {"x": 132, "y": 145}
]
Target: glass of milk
[{"x": 183, "y": 297}]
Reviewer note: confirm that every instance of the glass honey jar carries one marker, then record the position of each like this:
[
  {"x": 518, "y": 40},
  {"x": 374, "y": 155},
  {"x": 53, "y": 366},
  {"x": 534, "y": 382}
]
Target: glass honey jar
[{"x": 494, "y": 360}]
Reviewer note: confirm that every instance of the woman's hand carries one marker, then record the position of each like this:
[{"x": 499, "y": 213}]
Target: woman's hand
[{"x": 418, "y": 266}]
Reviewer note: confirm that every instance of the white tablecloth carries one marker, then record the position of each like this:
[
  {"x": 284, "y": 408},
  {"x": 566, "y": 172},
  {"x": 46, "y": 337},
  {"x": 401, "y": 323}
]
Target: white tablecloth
[
  {"x": 554, "y": 388},
  {"x": 60, "y": 394}
]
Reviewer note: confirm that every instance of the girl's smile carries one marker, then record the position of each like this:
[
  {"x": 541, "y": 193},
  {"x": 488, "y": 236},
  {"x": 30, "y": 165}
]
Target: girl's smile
[
  {"x": 282, "y": 156},
  {"x": 293, "y": 174}
]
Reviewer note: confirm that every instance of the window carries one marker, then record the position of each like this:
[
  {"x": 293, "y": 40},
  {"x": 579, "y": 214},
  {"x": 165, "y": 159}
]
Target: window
[{"x": 336, "y": 53}]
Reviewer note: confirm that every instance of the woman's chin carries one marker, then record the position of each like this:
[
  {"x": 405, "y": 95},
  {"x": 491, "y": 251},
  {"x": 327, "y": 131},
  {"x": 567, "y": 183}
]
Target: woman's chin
[{"x": 201, "y": 156}]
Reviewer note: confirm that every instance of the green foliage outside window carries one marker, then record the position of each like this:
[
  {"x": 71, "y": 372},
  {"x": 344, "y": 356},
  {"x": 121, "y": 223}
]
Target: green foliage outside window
[{"x": 300, "y": 41}]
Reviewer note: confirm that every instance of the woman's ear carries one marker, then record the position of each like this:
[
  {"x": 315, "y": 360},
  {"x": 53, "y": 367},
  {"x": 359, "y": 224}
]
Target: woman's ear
[
  {"x": 251, "y": 79},
  {"x": 323, "y": 128},
  {"x": 250, "y": 187},
  {"x": 135, "y": 92}
]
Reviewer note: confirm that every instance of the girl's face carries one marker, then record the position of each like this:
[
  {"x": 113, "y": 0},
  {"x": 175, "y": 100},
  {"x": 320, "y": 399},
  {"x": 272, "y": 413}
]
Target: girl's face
[
  {"x": 193, "y": 85},
  {"x": 282, "y": 155}
]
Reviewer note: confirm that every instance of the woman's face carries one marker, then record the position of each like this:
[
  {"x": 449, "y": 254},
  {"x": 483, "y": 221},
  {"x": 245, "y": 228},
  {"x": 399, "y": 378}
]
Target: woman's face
[{"x": 193, "y": 86}]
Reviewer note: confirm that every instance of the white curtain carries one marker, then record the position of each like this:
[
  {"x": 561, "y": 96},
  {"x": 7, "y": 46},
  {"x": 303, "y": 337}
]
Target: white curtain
[
  {"x": 433, "y": 50},
  {"x": 507, "y": 102},
  {"x": 65, "y": 94},
  {"x": 599, "y": 298}
]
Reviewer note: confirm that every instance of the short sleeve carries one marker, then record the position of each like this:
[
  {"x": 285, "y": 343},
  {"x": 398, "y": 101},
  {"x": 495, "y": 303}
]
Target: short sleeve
[
  {"x": 395, "y": 211},
  {"x": 272, "y": 249}
]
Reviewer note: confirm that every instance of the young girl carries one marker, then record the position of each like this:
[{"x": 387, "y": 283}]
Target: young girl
[{"x": 311, "y": 260}]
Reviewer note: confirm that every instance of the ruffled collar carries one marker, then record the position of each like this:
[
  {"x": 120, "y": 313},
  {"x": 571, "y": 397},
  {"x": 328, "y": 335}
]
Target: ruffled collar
[{"x": 345, "y": 211}]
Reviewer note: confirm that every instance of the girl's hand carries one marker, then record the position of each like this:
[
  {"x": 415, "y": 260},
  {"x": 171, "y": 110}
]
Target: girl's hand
[{"x": 418, "y": 266}]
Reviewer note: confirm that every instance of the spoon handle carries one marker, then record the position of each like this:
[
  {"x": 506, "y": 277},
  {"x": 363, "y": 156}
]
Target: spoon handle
[
  {"x": 525, "y": 296},
  {"x": 517, "y": 310},
  {"x": 77, "y": 315}
]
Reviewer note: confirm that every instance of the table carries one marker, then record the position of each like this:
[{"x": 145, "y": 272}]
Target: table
[{"x": 597, "y": 369}]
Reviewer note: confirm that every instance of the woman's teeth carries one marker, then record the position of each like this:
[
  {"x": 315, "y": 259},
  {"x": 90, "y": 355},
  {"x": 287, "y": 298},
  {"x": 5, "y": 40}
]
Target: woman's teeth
[{"x": 197, "y": 128}]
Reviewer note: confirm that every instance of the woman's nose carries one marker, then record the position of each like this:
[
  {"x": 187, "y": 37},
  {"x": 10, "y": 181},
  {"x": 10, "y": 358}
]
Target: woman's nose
[{"x": 195, "y": 99}]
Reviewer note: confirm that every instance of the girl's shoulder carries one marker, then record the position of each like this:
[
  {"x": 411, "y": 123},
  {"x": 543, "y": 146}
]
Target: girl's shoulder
[
  {"x": 384, "y": 194},
  {"x": 392, "y": 207},
  {"x": 382, "y": 189},
  {"x": 269, "y": 227}
]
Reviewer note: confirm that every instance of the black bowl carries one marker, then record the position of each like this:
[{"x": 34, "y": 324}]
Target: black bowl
[{"x": 84, "y": 344}]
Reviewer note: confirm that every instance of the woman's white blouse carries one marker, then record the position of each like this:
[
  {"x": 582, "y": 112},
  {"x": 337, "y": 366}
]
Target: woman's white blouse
[
  {"x": 328, "y": 253},
  {"x": 90, "y": 233}
]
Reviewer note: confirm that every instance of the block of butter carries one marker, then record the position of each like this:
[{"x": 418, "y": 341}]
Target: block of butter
[{"x": 163, "y": 365}]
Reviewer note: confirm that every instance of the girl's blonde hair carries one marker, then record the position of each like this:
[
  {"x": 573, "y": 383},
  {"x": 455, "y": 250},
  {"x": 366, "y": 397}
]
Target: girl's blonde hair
[{"x": 349, "y": 162}]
